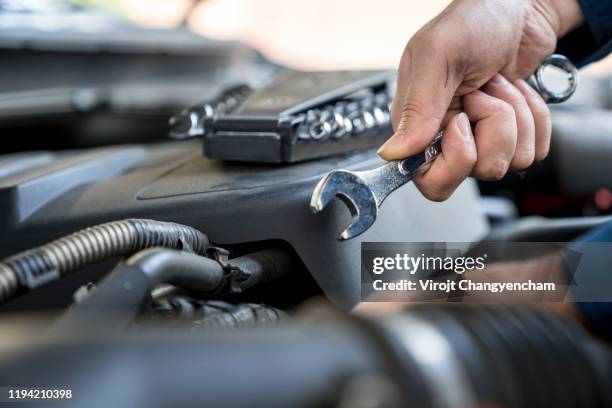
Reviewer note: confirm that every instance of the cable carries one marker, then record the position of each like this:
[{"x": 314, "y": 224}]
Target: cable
[
  {"x": 35, "y": 267},
  {"x": 121, "y": 296}
]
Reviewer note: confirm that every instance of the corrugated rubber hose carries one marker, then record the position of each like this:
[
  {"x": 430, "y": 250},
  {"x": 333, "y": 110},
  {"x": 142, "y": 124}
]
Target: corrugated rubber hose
[{"x": 37, "y": 266}]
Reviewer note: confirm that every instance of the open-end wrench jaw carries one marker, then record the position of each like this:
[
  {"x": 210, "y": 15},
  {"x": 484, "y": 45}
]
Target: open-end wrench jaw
[
  {"x": 363, "y": 192},
  {"x": 353, "y": 191}
]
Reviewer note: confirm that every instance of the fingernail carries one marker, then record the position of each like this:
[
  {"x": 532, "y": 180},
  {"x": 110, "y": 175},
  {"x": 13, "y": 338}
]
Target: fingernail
[
  {"x": 464, "y": 125},
  {"x": 381, "y": 148}
]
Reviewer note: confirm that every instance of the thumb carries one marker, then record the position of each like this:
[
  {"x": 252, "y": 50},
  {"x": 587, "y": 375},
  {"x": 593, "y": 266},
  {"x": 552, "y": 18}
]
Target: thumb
[{"x": 423, "y": 96}]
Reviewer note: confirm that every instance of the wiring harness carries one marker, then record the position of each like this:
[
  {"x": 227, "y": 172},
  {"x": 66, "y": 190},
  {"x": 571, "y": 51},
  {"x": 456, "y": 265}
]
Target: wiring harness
[{"x": 38, "y": 266}]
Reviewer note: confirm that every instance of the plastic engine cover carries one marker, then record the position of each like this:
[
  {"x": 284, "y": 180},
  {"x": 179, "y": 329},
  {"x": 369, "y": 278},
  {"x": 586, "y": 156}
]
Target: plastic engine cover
[{"x": 47, "y": 195}]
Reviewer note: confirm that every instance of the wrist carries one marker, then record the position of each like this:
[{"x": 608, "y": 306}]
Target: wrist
[{"x": 568, "y": 15}]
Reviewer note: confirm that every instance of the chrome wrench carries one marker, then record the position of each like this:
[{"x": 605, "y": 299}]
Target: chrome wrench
[{"x": 363, "y": 192}]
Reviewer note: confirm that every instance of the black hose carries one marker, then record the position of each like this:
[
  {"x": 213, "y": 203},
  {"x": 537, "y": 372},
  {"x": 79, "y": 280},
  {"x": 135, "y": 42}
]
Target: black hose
[
  {"x": 48, "y": 262},
  {"x": 263, "y": 266},
  {"x": 120, "y": 297},
  {"x": 181, "y": 269},
  {"x": 507, "y": 356}
]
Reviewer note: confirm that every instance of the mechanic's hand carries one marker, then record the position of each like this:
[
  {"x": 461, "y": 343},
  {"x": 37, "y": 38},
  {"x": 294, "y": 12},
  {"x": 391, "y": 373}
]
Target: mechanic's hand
[{"x": 471, "y": 58}]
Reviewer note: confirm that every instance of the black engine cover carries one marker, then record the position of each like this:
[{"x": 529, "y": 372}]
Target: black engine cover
[{"x": 47, "y": 195}]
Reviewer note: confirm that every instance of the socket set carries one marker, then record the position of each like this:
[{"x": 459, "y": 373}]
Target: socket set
[{"x": 297, "y": 116}]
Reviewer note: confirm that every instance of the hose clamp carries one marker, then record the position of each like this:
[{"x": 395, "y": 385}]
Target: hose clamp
[{"x": 233, "y": 275}]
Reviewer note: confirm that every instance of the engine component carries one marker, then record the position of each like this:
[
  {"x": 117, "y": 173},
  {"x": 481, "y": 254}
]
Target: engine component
[
  {"x": 510, "y": 357},
  {"x": 35, "y": 267},
  {"x": 431, "y": 356},
  {"x": 256, "y": 268},
  {"x": 234, "y": 203},
  {"x": 215, "y": 314},
  {"x": 121, "y": 296},
  {"x": 298, "y": 116}
]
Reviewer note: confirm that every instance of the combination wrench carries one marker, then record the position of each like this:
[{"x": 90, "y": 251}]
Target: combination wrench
[{"x": 363, "y": 192}]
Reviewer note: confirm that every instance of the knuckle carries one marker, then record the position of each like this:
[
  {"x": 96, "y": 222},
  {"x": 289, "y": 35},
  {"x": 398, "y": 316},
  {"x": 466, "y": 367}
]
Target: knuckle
[
  {"x": 433, "y": 190},
  {"x": 422, "y": 35},
  {"x": 549, "y": 44},
  {"x": 467, "y": 157},
  {"x": 542, "y": 152},
  {"x": 544, "y": 128},
  {"x": 439, "y": 44},
  {"x": 503, "y": 109},
  {"x": 416, "y": 111},
  {"x": 516, "y": 97},
  {"x": 493, "y": 170},
  {"x": 443, "y": 37},
  {"x": 432, "y": 37},
  {"x": 540, "y": 110},
  {"x": 523, "y": 159},
  {"x": 413, "y": 108},
  {"x": 437, "y": 195}
]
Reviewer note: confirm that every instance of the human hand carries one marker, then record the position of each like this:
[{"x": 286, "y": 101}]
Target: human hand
[{"x": 467, "y": 65}]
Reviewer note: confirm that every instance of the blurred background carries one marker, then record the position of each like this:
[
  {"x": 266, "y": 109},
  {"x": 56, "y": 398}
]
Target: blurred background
[
  {"x": 85, "y": 73},
  {"x": 320, "y": 34},
  {"x": 305, "y": 34}
]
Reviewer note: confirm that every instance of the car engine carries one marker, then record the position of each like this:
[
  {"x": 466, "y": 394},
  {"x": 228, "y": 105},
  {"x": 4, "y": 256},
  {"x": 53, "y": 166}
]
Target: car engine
[{"x": 158, "y": 248}]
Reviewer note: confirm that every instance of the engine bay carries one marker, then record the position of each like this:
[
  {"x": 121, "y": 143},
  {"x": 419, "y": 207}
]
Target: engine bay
[{"x": 158, "y": 248}]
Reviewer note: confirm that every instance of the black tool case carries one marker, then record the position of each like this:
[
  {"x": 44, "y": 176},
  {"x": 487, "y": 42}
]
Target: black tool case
[{"x": 303, "y": 115}]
